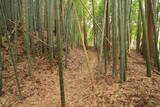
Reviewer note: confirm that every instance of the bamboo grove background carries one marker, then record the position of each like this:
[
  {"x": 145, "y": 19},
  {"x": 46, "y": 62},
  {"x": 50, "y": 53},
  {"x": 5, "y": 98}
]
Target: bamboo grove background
[{"x": 59, "y": 25}]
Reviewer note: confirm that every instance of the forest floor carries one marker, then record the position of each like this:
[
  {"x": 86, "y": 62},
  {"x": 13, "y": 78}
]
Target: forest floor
[{"x": 42, "y": 88}]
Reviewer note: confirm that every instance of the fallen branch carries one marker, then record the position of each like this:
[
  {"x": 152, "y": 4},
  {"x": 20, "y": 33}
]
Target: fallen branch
[
  {"x": 43, "y": 42},
  {"x": 155, "y": 71}
]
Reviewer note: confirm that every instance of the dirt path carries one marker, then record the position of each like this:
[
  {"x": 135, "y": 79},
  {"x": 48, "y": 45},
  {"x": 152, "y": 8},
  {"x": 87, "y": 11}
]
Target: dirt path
[{"x": 78, "y": 84}]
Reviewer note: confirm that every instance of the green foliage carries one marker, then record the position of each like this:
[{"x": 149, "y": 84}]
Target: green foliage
[
  {"x": 99, "y": 10},
  {"x": 134, "y": 17}
]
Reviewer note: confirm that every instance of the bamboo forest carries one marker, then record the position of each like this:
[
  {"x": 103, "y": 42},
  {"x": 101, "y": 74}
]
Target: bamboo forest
[{"x": 79, "y": 53}]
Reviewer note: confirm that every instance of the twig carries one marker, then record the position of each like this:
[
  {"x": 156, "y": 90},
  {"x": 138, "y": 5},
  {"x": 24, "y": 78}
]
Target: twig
[
  {"x": 43, "y": 42},
  {"x": 155, "y": 71}
]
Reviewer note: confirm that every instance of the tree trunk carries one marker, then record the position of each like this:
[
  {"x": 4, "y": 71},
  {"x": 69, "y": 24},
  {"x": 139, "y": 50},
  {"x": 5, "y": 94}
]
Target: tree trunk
[
  {"x": 59, "y": 27},
  {"x": 115, "y": 38},
  {"x": 138, "y": 39},
  {"x": 1, "y": 73},
  {"x": 94, "y": 24},
  {"x": 106, "y": 44},
  {"x": 150, "y": 28},
  {"x": 84, "y": 29},
  {"x": 146, "y": 41}
]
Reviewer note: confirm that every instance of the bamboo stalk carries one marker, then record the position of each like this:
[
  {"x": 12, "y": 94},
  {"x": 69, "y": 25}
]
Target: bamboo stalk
[
  {"x": 49, "y": 32},
  {"x": 58, "y": 34},
  {"x": 156, "y": 57},
  {"x": 114, "y": 37},
  {"x": 26, "y": 34},
  {"x": 1, "y": 73},
  {"x": 148, "y": 63},
  {"x": 11, "y": 53},
  {"x": 102, "y": 40}
]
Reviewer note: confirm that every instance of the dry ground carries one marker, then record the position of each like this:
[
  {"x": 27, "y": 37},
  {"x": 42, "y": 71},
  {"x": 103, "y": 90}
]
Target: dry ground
[{"x": 42, "y": 89}]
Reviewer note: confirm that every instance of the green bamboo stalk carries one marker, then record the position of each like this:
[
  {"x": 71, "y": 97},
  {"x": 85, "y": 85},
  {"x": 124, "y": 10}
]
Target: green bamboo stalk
[
  {"x": 84, "y": 29},
  {"x": 58, "y": 34},
  {"x": 45, "y": 15},
  {"x": 128, "y": 34},
  {"x": 106, "y": 36},
  {"x": 0, "y": 40},
  {"x": 138, "y": 32},
  {"x": 68, "y": 23},
  {"x": 1, "y": 24},
  {"x": 102, "y": 40},
  {"x": 146, "y": 42},
  {"x": 129, "y": 30},
  {"x": 39, "y": 24},
  {"x": 26, "y": 34},
  {"x": 15, "y": 10},
  {"x": 156, "y": 57},
  {"x": 19, "y": 5},
  {"x": 31, "y": 26},
  {"x": 94, "y": 25},
  {"x": 11, "y": 53},
  {"x": 122, "y": 39},
  {"x": 49, "y": 32},
  {"x": 126, "y": 22},
  {"x": 12, "y": 10},
  {"x": 114, "y": 37},
  {"x": 1, "y": 73}
]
